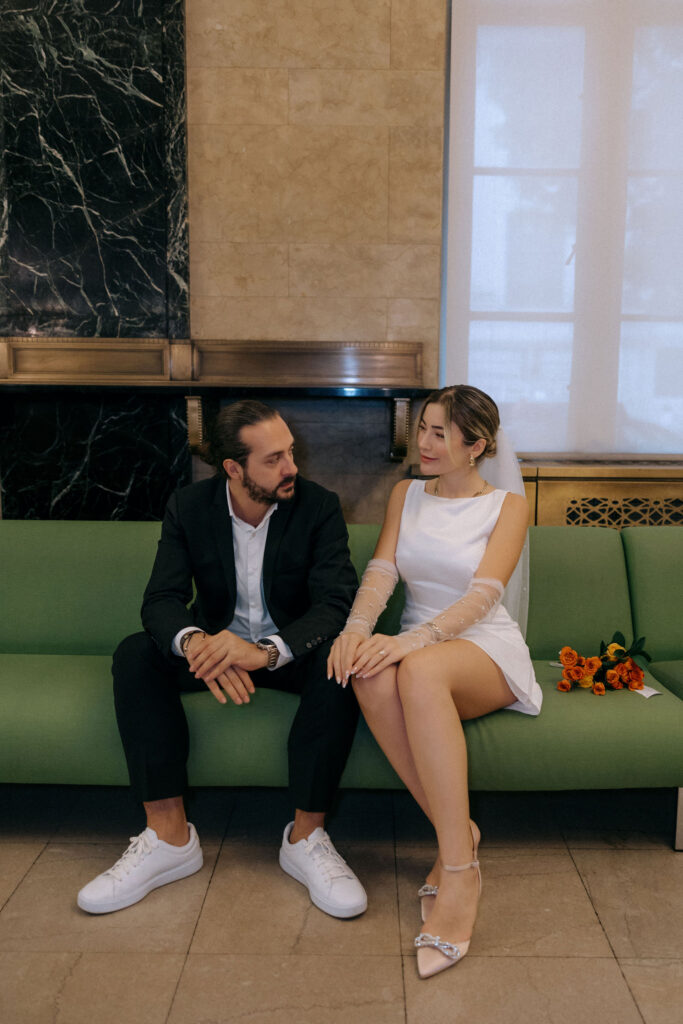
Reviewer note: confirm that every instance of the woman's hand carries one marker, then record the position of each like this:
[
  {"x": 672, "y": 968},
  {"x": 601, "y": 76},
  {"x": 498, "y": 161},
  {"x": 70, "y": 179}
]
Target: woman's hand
[
  {"x": 342, "y": 655},
  {"x": 378, "y": 652}
]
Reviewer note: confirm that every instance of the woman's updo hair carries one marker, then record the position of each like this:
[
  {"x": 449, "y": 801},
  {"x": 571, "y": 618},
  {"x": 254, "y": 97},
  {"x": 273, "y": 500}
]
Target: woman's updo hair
[{"x": 473, "y": 412}]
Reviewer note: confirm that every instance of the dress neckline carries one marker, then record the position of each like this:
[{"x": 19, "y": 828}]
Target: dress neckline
[{"x": 441, "y": 497}]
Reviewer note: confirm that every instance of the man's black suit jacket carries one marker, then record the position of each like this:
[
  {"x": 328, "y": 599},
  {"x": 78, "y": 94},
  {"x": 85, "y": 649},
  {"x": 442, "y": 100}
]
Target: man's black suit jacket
[{"x": 308, "y": 579}]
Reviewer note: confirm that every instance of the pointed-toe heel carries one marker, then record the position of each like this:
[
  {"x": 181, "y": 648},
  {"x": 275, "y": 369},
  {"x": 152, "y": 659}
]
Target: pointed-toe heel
[
  {"x": 435, "y": 954},
  {"x": 427, "y": 893}
]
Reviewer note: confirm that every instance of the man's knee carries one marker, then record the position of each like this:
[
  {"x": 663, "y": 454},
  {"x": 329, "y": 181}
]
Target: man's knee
[{"x": 135, "y": 657}]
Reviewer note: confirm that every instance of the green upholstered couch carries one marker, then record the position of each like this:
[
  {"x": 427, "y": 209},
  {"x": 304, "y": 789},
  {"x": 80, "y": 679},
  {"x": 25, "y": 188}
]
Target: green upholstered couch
[{"x": 71, "y": 590}]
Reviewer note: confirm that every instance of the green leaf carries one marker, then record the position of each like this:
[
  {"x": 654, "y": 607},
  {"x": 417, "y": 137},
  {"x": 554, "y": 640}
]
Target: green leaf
[{"x": 619, "y": 638}]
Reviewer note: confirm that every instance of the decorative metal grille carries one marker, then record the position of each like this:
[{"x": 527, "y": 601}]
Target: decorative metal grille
[{"x": 619, "y": 512}]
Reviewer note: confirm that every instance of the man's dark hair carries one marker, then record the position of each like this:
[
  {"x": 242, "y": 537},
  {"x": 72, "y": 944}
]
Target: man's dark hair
[{"x": 224, "y": 441}]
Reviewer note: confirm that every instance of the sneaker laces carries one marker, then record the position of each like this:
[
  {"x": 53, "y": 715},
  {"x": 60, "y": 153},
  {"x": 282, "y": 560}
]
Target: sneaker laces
[
  {"x": 139, "y": 847},
  {"x": 327, "y": 860}
]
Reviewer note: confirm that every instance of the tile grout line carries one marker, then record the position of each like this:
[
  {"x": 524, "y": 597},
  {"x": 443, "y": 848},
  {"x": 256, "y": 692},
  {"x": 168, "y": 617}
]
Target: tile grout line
[
  {"x": 604, "y": 932},
  {"x": 26, "y": 872},
  {"x": 199, "y": 913},
  {"x": 398, "y": 911}
]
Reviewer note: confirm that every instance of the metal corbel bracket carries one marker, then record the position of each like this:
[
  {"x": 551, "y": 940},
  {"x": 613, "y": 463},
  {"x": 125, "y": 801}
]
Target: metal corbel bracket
[{"x": 400, "y": 429}]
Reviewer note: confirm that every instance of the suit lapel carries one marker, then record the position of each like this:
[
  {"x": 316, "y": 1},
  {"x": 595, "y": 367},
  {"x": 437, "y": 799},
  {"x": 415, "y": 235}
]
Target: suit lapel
[
  {"x": 221, "y": 525},
  {"x": 276, "y": 530}
]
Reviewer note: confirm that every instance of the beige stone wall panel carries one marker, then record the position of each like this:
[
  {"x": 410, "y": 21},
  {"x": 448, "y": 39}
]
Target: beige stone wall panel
[
  {"x": 418, "y": 34},
  {"x": 289, "y": 33},
  {"x": 250, "y": 184},
  {"x": 277, "y": 319},
  {"x": 392, "y": 98},
  {"x": 415, "y": 185},
  {"x": 392, "y": 271},
  {"x": 239, "y": 269},
  {"x": 237, "y": 96},
  {"x": 236, "y": 184},
  {"x": 417, "y": 320},
  {"x": 413, "y": 320}
]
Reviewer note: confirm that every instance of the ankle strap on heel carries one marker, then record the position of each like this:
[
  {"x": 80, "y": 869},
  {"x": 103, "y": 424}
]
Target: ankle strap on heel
[{"x": 461, "y": 867}]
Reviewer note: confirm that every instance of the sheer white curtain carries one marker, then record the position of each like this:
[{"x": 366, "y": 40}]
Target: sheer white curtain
[{"x": 563, "y": 280}]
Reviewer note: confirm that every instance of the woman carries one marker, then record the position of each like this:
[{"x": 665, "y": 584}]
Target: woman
[{"x": 455, "y": 541}]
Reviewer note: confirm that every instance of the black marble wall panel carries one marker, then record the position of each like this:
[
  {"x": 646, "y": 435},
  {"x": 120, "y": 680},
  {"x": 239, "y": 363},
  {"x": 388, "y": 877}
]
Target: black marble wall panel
[
  {"x": 91, "y": 454},
  {"x": 93, "y": 240}
]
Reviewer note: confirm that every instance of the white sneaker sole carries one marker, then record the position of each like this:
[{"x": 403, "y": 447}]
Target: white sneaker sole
[
  {"x": 172, "y": 875},
  {"x": 333, "y": 909}
]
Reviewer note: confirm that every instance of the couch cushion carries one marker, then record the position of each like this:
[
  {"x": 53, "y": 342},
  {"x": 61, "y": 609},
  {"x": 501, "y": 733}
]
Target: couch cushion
[
  {"x": 580, "y": 741},
  {"x": 670, "y": 673},
  {"x": 654, "y": 557},
  {"x": 578, "y": 589},
  {"x": 68, "y": 587},
  {"x": 58, "y": 726}
]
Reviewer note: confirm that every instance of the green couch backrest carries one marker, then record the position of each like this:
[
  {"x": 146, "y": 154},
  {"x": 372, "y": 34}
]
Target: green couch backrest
[
  {"x": 72, "y": 586},
  {"x": 578, "y": 593},
  {"x": 654, "y": 556},
  {"x": 77, "y": 586}
]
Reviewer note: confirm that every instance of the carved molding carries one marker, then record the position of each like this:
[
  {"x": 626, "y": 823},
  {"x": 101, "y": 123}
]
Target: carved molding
[
  {"x": 85, "y": 361},
  {"x": 211, "y": 363},
  {"x": 309, "y": 364}
]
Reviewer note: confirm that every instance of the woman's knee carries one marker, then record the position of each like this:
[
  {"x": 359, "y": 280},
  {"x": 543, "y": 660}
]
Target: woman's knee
[
  {"x": 416, "y": 675},
  {"x": 374, "y": 692}
]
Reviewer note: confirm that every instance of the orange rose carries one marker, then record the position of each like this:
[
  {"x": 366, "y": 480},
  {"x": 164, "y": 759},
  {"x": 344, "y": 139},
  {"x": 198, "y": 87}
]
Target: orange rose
[
  {"x": 622, "y": 671},
  {"x": 576, "y": 673},
  {"x": 592, "y": 665},
  {"x": 613, "y": 679},
  {"x": 599, "y": 689},
  {"x": 568, "y": 657},
  {"x": 580, "y": 661},
  {"x": 635, "y": 684},
  {"x": 564, "y": 685},
  {"x": 635, "y": 670}
]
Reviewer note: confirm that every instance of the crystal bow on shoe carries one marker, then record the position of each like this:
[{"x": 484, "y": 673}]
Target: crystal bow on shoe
[{"x": 436, "y": 942}]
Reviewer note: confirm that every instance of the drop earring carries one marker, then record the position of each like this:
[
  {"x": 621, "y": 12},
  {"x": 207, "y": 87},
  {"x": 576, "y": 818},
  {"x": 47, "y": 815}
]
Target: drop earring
[{"x": 472, "y": 460}]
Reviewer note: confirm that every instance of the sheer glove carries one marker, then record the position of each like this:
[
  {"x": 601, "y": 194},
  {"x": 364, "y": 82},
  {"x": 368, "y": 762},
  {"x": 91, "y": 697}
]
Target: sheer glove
[
  {"x": 378, "y": 652},
  {"x": 377, "y": 585}
]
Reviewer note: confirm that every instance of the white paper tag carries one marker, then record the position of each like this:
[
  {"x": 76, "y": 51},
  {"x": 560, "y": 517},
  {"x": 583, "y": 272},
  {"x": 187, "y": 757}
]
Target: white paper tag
[{"x": 647, "y": 691}]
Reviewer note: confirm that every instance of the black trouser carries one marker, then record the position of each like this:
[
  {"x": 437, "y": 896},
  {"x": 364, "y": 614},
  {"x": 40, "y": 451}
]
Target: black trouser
[{"x": 155, "y": 736}]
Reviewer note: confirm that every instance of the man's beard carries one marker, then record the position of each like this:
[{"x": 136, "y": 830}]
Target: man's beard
[{"x": 264, "y": 497}]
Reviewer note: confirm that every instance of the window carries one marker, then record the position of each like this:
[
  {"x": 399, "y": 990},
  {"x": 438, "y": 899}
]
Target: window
[{"x": 564, "y": 251}]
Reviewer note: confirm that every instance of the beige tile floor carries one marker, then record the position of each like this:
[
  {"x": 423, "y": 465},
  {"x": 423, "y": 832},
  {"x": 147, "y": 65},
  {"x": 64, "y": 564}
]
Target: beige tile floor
[{"x": 581, "y": 920}]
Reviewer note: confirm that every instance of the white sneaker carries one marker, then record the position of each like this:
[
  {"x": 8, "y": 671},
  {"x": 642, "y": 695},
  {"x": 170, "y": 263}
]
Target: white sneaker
[
  {"x": 147, "y": 863},
  {"x": 331, "y": 883}
]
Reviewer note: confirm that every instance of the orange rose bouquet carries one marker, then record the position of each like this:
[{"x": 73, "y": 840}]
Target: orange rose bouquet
[{"x": 615, "y": 668}]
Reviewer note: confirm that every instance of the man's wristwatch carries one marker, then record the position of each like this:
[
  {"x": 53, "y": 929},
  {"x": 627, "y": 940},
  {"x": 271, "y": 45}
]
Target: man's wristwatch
[
  {"x": 186, "y": 639},
  {"x": 270, "y": 647}
]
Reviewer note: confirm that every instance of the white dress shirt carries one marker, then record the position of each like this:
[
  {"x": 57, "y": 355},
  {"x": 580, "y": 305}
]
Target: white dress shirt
[{"x": 252, "y": 619}]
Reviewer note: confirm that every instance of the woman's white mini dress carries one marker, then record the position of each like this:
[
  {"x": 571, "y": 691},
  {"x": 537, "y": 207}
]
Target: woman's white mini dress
[{"x": 440, "y": 545}]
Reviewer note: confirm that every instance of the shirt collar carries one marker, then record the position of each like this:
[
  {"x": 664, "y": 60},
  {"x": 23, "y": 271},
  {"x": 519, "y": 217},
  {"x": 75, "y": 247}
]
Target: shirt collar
[{"x": 236, "y": 518}]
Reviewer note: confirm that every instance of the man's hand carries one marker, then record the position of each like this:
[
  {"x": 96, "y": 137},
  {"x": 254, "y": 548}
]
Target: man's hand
[{"x": 223, "y": 662}]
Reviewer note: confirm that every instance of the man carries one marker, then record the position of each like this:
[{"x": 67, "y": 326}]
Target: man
[{"x": 269, "y": 557}]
